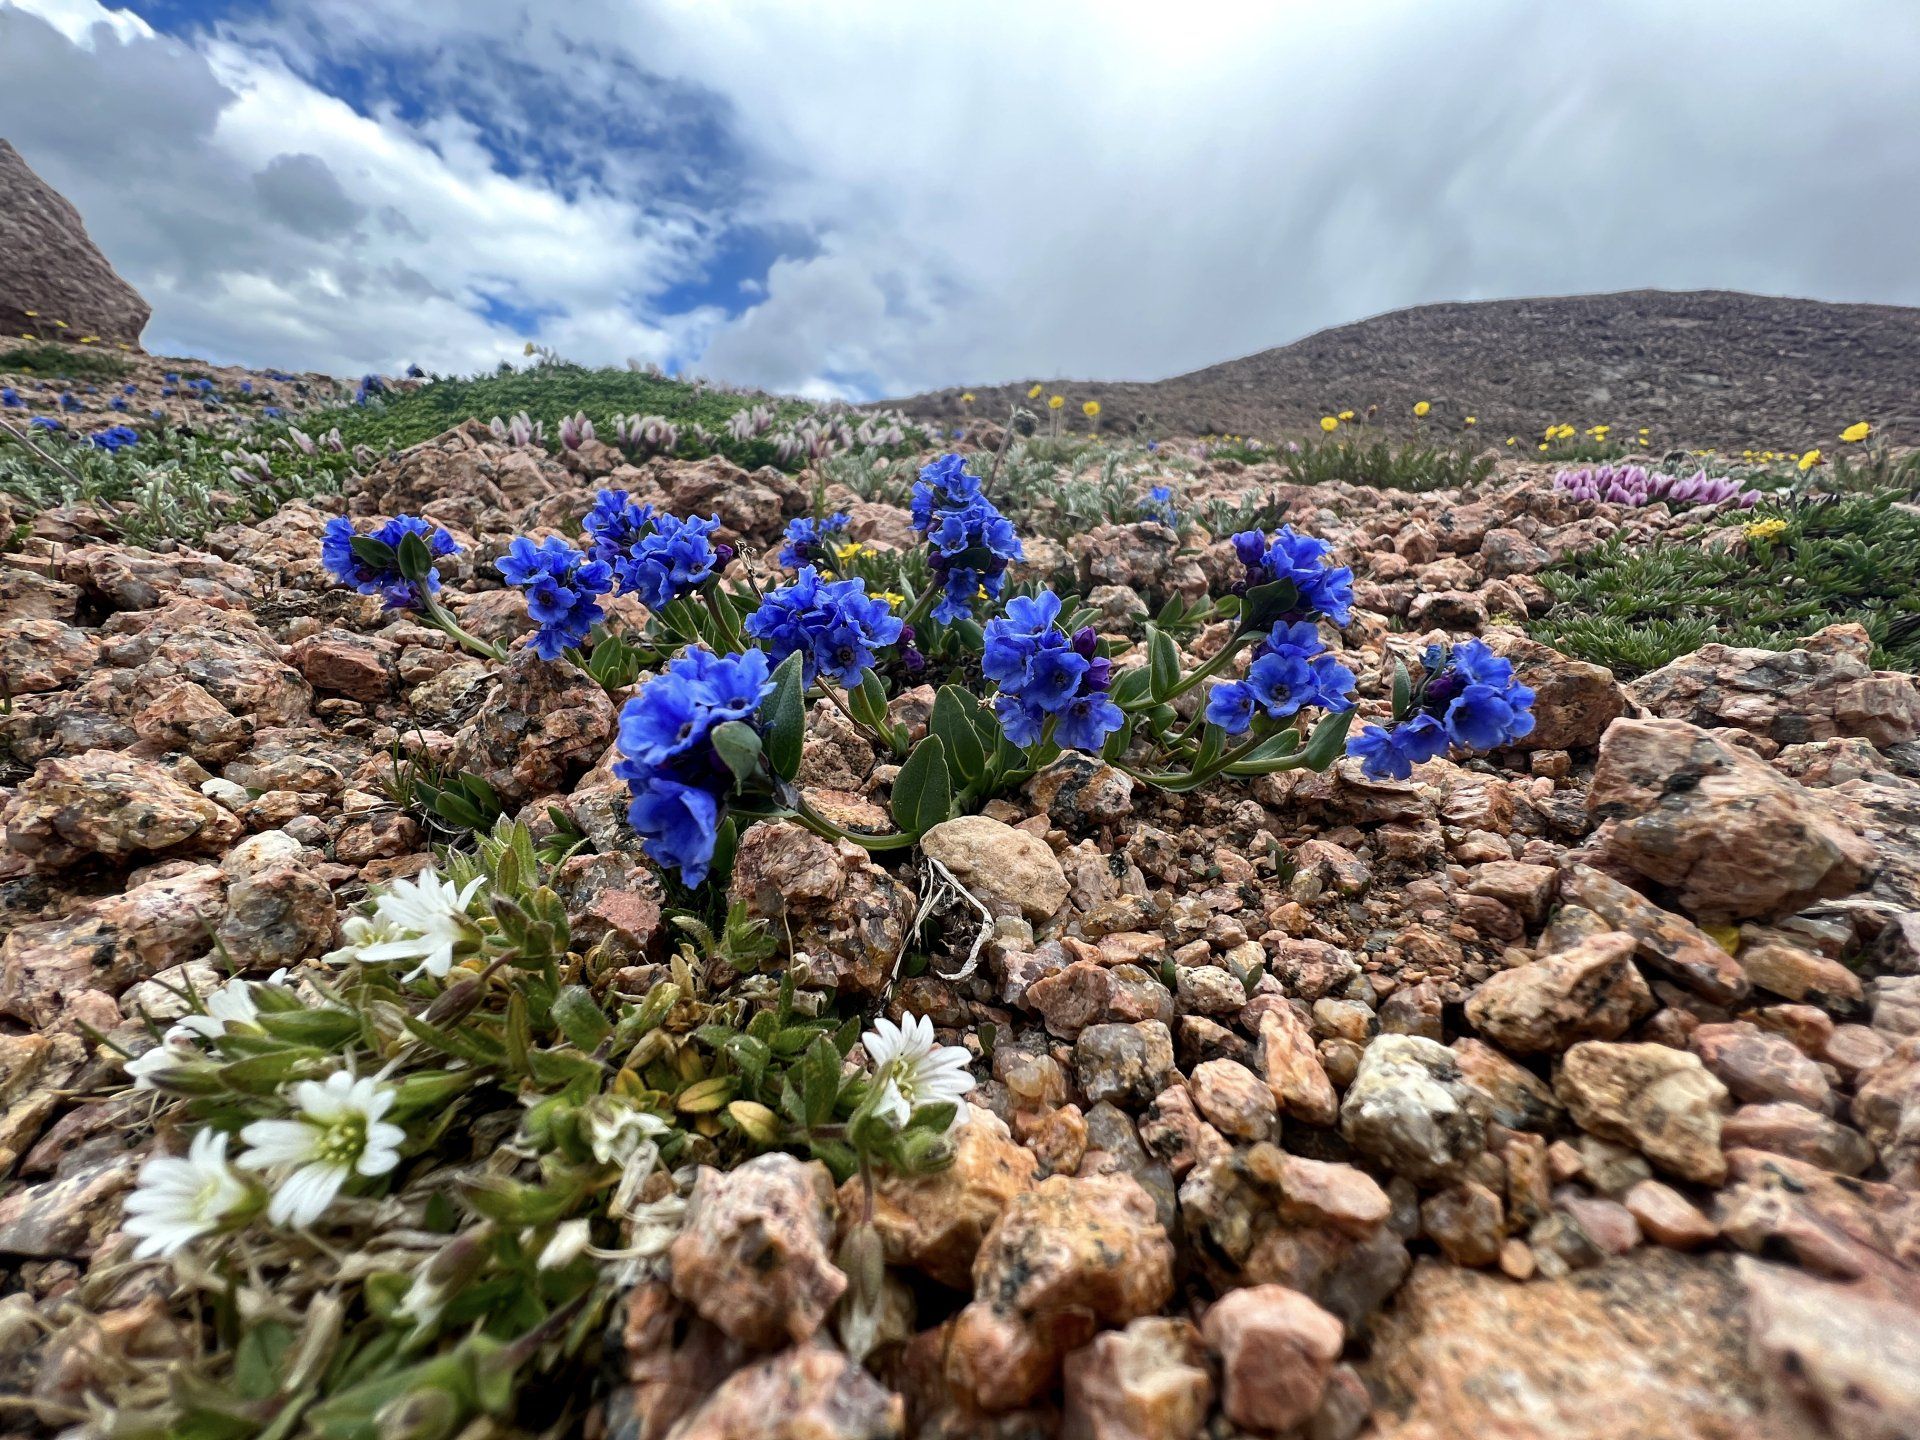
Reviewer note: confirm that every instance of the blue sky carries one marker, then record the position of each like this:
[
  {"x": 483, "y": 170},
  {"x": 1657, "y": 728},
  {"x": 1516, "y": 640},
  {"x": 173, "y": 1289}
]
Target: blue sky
[{"x": 864, "y": 197}]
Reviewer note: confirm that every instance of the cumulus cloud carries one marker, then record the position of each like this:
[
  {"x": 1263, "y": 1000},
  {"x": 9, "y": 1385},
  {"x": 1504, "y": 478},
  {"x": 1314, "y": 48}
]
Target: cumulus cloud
[{"x": 869, "y": 198}]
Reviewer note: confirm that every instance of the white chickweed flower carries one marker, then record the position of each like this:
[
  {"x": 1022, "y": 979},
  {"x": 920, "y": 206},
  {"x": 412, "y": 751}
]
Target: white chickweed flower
[
  {"x": 423, "y": 919},
  {"x": 231, "y": 1004},
  {"x": 911, "y": 1070},
  {"x": 178, "y": 1199},
  {"x": 339, "y": 1134},
  {"x": 157, "y": 1061}
]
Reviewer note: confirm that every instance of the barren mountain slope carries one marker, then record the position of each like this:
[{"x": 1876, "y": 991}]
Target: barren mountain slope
[{"x": 1707, "y": 367}]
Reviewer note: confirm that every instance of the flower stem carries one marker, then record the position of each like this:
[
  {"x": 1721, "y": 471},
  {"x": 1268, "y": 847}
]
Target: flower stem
[
  {"x": 436, "y": 615},
  {"x": 820, "y": 825}
]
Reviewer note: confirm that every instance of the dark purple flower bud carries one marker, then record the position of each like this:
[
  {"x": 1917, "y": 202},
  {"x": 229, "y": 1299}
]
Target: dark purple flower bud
[
  {"x": 1099, "y": 674},
  {"x": 906, "y": 635},
  {"x": 722, "y": 554},
  {"x": 1251, "y": 547},
  {"x": 912, "y": 661},
  {"x": 1085, "y": 642}
]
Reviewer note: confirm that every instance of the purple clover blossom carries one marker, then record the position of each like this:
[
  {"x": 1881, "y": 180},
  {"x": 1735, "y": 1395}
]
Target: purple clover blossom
[
  {"x": 1467, "y": 699},
  {"x": 563, "y": 591},
  {"x": 1637, "y": 485},
  {"x": 678, "y": 781},
  {"x": 1046, "y": 675},
  {"x": 400, "y": 593},
  {"x": 834, "y": 625},
  {"x": 806, "y": 535}
]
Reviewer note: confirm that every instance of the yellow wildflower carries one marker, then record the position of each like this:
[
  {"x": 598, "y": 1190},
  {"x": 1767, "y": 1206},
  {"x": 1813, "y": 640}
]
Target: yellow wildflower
[
  {"x": 1471, "y": 420},
  {"x": 893, "y": 599},
  {"x": 31, "y": 314},
  {"x": 1766, "y": 529},
  {"x": 1809, "y": 460},
  {"x": 1054, "y": 402},
  {"x": 1513, "y": 439},
  {"x": 59, "y": 324},
  {"x": 967, "y": 399},
  {"x": 1090, "y": 409},
  {"x": 1853, "y": 434},
  {"x": 1421, "y": 407},
  {"x": 1329, "y": 424},
  {"x": 527, "y": 349},
  {"x": 1346, "y": 415},
  {"x": 853, "y": 550},
  {"x": 1034, "y": 393}
]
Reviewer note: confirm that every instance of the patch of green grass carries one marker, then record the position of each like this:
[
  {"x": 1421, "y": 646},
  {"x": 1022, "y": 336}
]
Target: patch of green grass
[
  {"x": 60, "y": 363},
  {"x": 551, "y": 392},
  {"x": 1856, "y": 558},
  {"x": 1385, "y": 466}
]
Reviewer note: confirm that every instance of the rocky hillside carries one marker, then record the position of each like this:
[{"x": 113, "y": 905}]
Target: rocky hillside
[
  {"x": 1707, "y": 367},
  {"x": 54, "y": 282}
]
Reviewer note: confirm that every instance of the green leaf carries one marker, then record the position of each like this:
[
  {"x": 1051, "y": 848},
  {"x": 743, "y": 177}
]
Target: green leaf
[
  {"x": 1266, "y": 603},
  {"x": 1163, "y": 663},
  {"x": 1130, "y": 687},
  {"x": 1402, "y": 690},
  {"x": 1328, "y": 740},
  {"x": 970, "y": 633},
  {"x": 954, "y": 722},
  {"x": 580, "y": 1017},
  {"x": 1275, "y": 747},
  {"x": 784, "y": 714},
  {"x": 415, "y": 559},
  {"x": 820, "y": 1081},
  {"x": 868, "y": 701},
  {"x": 923, "y": 791},
  {"x": 374, "y": 554},
  {"x": 738, "y": 744}
]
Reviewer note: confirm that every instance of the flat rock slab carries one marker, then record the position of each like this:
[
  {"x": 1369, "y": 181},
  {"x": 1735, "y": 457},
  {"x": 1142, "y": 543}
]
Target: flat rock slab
[{"x": 1651, "y": 1345}]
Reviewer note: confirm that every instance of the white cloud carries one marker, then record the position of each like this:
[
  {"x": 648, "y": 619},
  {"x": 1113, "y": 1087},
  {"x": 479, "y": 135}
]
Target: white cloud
[{"x": 973, "y": 193}]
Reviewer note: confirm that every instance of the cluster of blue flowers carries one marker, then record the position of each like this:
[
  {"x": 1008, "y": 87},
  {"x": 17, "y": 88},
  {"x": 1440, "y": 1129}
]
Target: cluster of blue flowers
[
  {"x": 1158, "y": 506},
  {"x": 114, "y": 438},
  {"x": 10, "y": 398},
  {"x": 400, "y": 593},
  {"x": 971, "y": 541},
  {"x": 369, "y": 387},
  {"x": 1045, "y": 675},
  {"x": 677, "y": 779},
  {"x": 806, "y": 536},
  {"x": 1466, "y": 696},
  {"x": 834, "y": 625},
  {"x": 1304, "y": 560},
  {"x": 657, "y": 557},
  {"x": 563, "y": 591},
  {"x": 1290, "y": 670}
]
